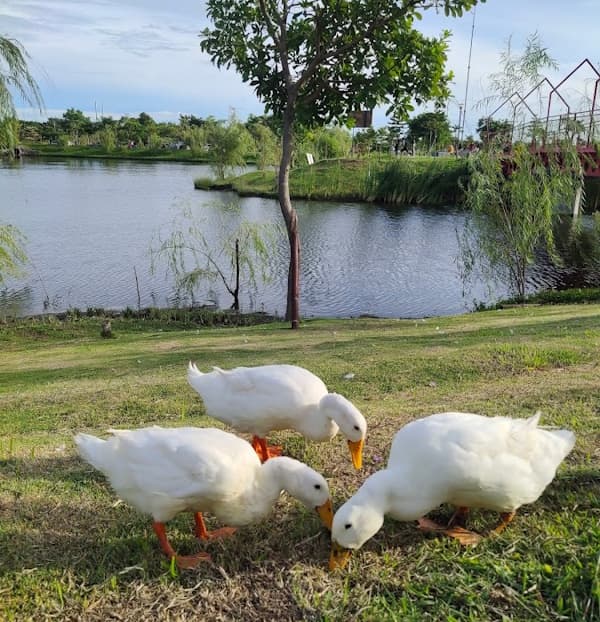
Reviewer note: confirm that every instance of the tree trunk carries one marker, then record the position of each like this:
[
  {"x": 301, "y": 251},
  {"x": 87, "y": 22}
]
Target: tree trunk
[
  {"x": 236, "y": 292},
  {"x": 292, "y": 312}
]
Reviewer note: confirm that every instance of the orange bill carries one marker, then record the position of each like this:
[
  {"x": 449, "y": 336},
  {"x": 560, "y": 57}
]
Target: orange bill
[
  {"x": 356, "y": 448},
  {"x": 338, "y": 557},
  {"x": 325, "y": 511}
]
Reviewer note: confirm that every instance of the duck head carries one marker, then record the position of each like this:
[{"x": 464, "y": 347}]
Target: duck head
[
  {"x": 350, "y": 421},
  {"x": 353, "y": 524},
  {"x": 306, "y": 485}
]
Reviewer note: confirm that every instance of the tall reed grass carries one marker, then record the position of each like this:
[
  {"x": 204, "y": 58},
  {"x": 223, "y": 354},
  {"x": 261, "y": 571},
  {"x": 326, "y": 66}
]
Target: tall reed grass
[{"x": 417, "y": 180}]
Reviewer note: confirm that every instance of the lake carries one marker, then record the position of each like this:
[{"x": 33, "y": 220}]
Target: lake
[{"x": 90, "y": 225}]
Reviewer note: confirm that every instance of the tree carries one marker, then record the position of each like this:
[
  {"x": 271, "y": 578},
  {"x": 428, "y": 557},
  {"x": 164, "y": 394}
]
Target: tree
[
  {"x": 228, "y": 144},
  {"x": 192, "y": 259},
  {"x": 513, "y": 206},
  {"x": 14, "y": 74},
  {"x": 514, "y": 197},
  {"x": 76, "y": 123},
  {"x": 190, "y": 120},
  {"x": 108, "y": 138},
  {"x": 326, "y": 142},
  {"x": 519, "y": 72},
  {"x": 432, "y": 127},
  {"x": 315, "y": 62},
  {"x": 266, "y": 144},
  {"x": 9, "y": 134},
  {"x": 494, "y": 130},
  {"x": 12, "y": 254}
]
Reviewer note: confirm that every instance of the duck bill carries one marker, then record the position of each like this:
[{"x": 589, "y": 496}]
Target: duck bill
[
  {"x": 325, "y": 512},
  {"x": 338, "y": 557},
  {"x": 356, "y": 448}
]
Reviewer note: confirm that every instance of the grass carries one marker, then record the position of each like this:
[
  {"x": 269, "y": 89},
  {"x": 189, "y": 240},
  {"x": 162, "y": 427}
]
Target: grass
[
  {"x": 418, "y": 180},
  {"x": 70, "y": 551}
]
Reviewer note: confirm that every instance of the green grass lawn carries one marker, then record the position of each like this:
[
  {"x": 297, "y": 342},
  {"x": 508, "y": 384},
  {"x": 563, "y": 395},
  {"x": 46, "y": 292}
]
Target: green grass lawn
[{"x": 70, "y": 551}]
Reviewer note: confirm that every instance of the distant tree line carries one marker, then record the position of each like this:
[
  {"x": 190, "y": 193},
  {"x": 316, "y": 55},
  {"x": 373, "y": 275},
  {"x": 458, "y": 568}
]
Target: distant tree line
[{"x": 257, "y": 138}]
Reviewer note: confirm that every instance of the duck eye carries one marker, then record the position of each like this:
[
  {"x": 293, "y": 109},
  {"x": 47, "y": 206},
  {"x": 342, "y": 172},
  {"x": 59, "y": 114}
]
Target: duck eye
[
  {"x": 318, "y": 486},
  {"x": 347, "y": 525},
  {"x": 356, "y": 428}
]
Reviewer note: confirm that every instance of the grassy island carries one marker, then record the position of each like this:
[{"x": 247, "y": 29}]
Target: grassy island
[{"x": 405, "y": 180}]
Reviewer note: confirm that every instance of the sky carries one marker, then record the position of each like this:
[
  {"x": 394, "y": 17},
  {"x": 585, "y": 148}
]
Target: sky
[{"x": 123, "y": 57}]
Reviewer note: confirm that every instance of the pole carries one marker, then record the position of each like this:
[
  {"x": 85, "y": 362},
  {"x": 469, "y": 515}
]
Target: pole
[{"x": 462, "y": 128}]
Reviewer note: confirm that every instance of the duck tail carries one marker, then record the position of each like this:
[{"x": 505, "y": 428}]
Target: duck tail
[
  {"x": 565, "y": 439},
  {"x": 92, "y": 449},
  {"x": 194, "y": 376},
  {"x": 532, "y": 422}
]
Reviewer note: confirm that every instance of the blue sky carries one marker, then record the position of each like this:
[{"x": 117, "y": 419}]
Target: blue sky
[{"x": 123, "y": 57}]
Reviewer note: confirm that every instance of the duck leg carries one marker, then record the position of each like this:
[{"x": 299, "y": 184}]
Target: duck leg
[
  {"x": 459, "y": 517},
  {"x": 505, "y": 518},
  {"x": 204, "y": 534},
  {"x": 265, "y": 452},
  {"x": 183, "y": 561}
]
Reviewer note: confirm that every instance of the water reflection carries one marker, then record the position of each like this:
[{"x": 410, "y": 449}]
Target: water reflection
[{"x": 90, "y": 225}]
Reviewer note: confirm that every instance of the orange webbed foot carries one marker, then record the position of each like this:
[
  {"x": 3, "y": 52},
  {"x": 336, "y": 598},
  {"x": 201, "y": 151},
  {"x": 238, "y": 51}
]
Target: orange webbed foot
[
  {"x": 186, "y": 562},
  {"x": 427, "y": 525},
  {"x": 464, "y": 536},
  {"x": 203, "y": 534},
  {"x": 274, "y": 451},
  {"x": 263, "y": 451},
  {"x": 223, "y": 532}
]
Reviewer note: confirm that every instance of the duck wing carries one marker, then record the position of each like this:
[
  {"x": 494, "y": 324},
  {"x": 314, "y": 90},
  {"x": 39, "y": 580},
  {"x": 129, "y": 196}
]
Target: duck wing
[
  {"x": 182, "y": 463},
  {"x": 260, "y": 399},
  {"x": 494, "y": 462}
]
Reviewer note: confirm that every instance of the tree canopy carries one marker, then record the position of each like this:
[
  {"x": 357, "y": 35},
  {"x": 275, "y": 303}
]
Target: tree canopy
[
  {"x": 313, "y": 62},
  {"x": 15, "y": 75},
  {"x": 332, "y": 57},
  {"x": 432, "y": 127}
]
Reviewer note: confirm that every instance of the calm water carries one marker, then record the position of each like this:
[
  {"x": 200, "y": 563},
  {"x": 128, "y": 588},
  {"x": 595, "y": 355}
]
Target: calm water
[{"x": 89, "y": 224}]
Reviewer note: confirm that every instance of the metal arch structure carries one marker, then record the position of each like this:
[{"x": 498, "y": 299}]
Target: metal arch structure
[{"x": 566, "y": 124}]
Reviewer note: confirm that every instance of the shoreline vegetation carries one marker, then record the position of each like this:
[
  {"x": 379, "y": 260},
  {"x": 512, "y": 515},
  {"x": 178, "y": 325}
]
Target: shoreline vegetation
[
  {"x": 404, "y": 180},
  {"x": 121, "y": 153},
  {"x": 70, "y": 551},
  {"x": 207, "y": 317}
]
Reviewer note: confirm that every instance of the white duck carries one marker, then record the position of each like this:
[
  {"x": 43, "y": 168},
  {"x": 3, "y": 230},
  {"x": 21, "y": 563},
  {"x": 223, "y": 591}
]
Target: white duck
[
  {"x": 262, "y": 399},
  {"x": 164, "y": 471},
  {"x": 470, "y": 461}
]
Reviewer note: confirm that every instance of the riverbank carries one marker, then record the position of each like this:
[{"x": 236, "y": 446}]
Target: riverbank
[
  {"x": 71, "y": 551},
  {"x": 98, "y": 152}
]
